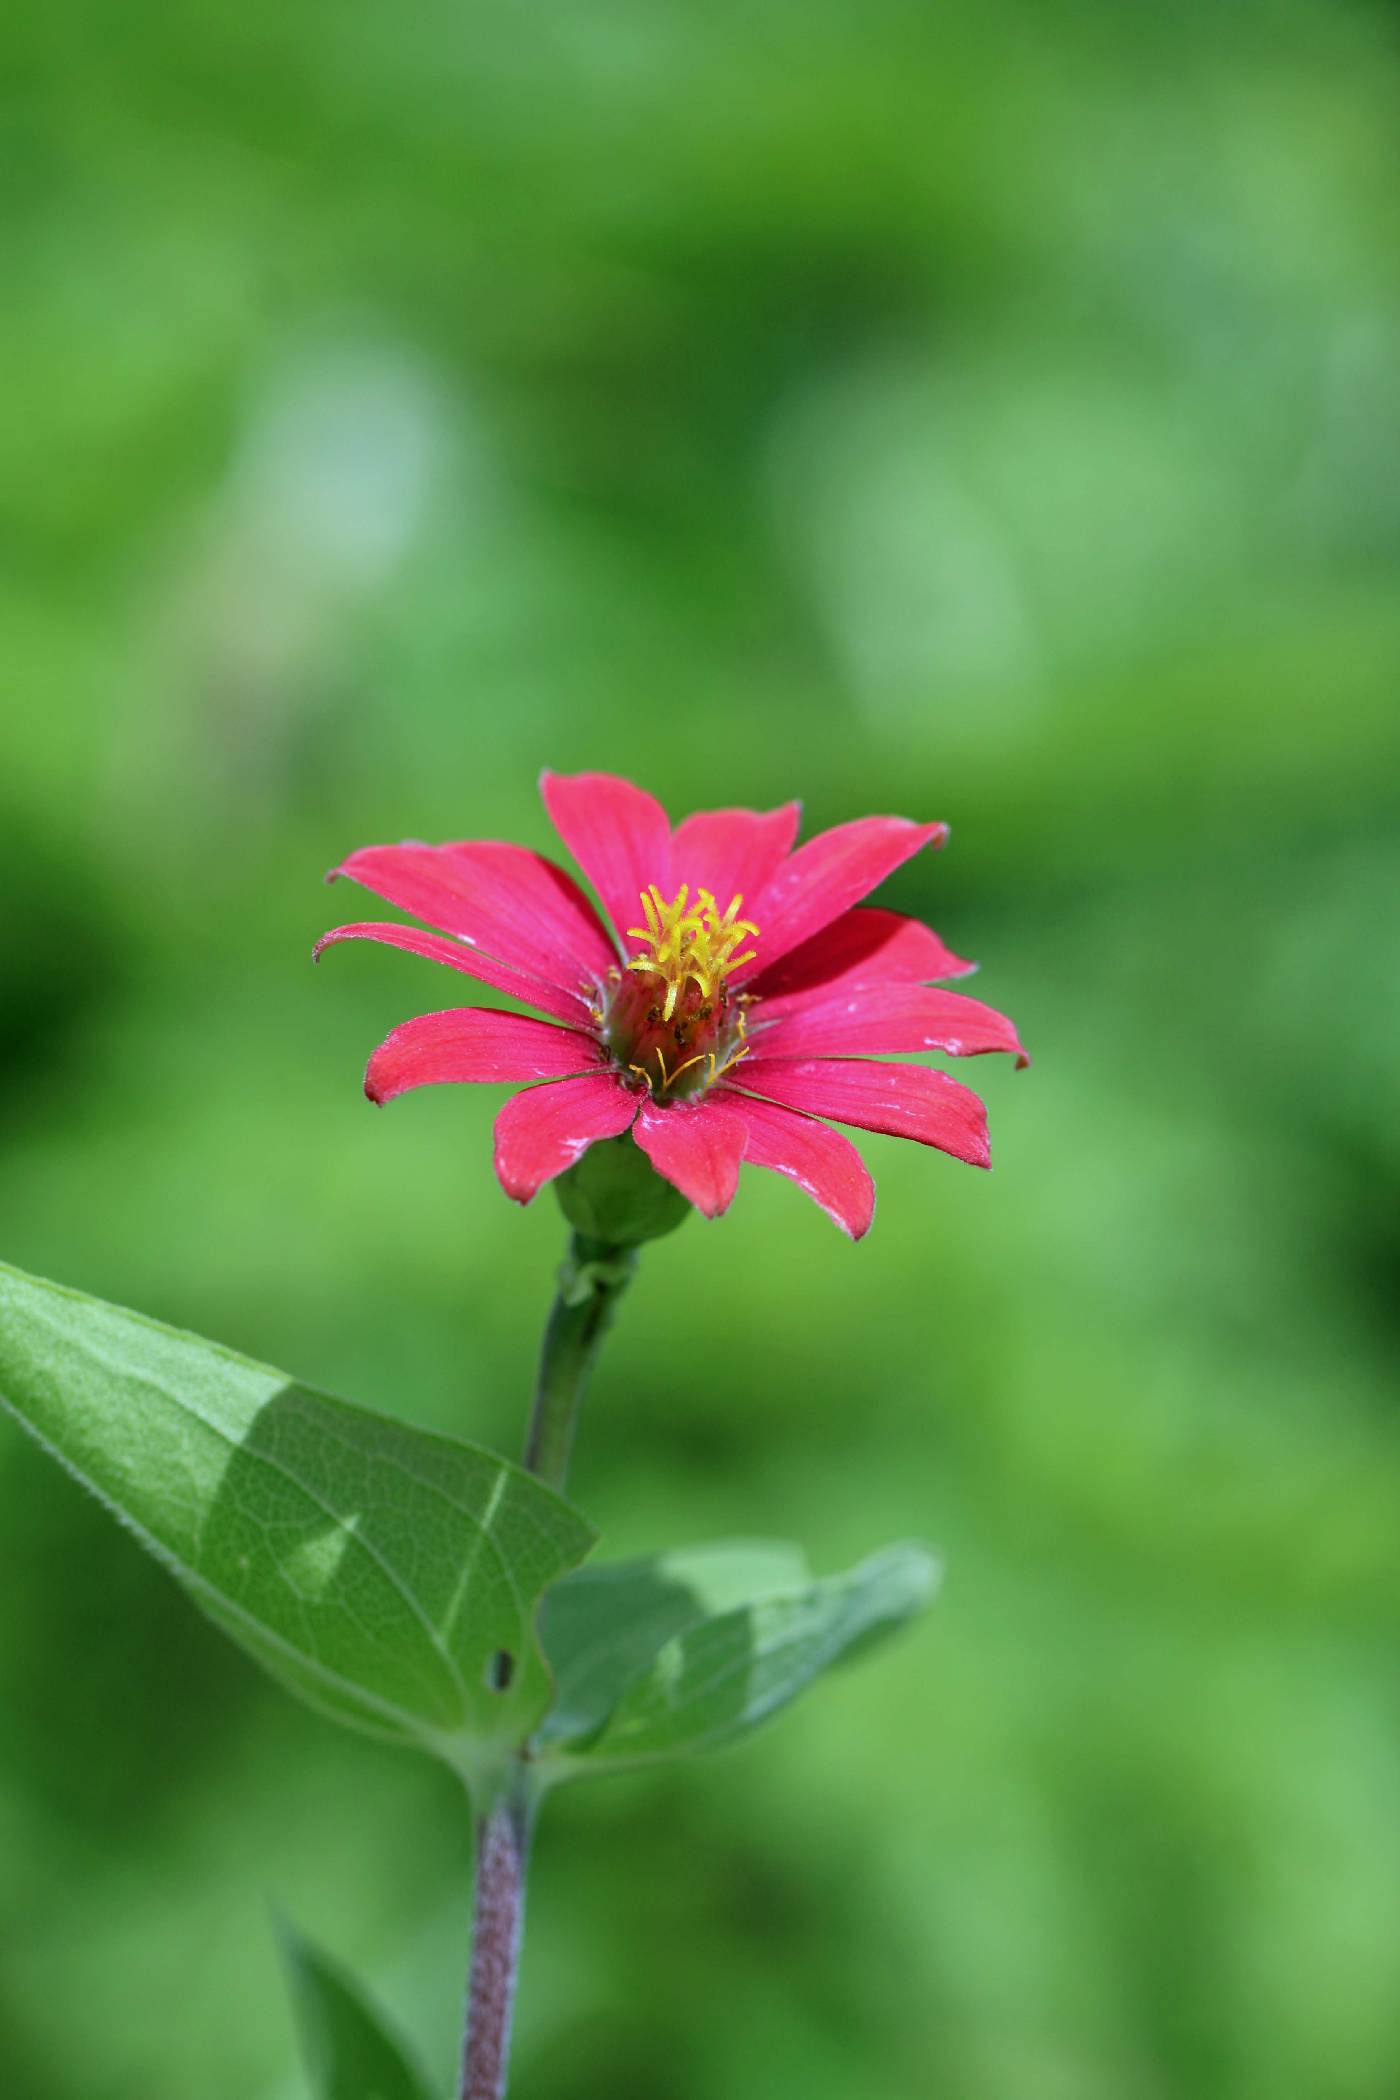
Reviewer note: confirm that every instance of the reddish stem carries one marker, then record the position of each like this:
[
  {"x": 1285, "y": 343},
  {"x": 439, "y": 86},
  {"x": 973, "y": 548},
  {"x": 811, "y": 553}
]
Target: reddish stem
[{"x": 502, "y": 1844}]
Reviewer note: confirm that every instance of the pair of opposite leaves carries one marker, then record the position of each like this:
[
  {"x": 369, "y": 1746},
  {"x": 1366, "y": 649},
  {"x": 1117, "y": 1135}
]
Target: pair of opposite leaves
[{"x": 412, "y": 1585}]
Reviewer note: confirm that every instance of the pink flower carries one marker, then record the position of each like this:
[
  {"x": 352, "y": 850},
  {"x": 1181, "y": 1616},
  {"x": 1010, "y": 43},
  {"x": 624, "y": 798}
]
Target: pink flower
[{"x": 744, "y": 994}]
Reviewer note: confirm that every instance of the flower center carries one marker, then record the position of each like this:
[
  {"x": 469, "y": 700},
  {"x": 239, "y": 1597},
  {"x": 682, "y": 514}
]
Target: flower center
[{"x": 670, "y": 1017}]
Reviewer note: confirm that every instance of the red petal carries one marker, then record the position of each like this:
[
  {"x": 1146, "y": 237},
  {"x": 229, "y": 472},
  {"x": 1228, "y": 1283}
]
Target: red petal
[
  {"x": 904, "y": 1100},
  {"x": 437, "y": 947},
  {"x": 828, "y": 875},
  {"x": 475, "y": 1043},
  {"x": 813, "y": 1155},
  {"x": 866, "y": 946},
  {"x": 875, "y": 1019},
  {"x": 545, "y": 1130},
  {"x": 514, "y": 905},
  {"x": 697, "y": 1150},
  {"x": 618, "y": 834},
  {"x": 733, "y": 851}
]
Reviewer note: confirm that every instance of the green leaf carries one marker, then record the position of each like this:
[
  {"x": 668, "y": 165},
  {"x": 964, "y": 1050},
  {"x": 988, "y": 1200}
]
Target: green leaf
[
  {"x": 664, "y": 1657},
  {"x": 602, "y": 1625},
  {"x": 349, "y": 2054},
  {"x": 378, "y": 1571}
]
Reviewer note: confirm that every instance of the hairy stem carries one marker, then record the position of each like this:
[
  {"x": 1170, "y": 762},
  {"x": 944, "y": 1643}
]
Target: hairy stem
[
  {"x": 502, "y": 1848},
  {"x": 591, "y": 1282}
]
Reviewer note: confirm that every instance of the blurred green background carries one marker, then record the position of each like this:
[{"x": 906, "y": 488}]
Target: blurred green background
[{"x": 984, "y": 413}]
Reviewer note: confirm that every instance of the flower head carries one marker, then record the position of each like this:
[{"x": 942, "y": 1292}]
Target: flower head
[{"x": 744, "y": 1001}]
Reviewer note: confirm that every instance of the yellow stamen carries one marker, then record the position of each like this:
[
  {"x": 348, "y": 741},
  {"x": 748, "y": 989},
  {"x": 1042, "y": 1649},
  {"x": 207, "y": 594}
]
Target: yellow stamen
[{"x": 690, "y": 943}]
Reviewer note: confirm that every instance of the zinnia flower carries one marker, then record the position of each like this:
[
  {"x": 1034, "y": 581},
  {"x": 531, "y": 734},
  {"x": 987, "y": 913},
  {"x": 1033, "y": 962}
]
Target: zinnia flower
[{"x": 741, "y": 1004}]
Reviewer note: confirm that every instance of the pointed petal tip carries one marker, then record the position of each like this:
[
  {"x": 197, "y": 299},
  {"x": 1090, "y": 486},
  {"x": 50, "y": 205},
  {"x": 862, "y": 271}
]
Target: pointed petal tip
[
  {"x": 817, "y": 1159},
  {"x": 545, "y": 1130},
  {"x": 512, "y": 1191}
]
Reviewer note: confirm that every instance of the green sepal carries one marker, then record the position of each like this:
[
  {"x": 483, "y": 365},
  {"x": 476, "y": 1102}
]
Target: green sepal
[{"x": 615, "y": 1196}]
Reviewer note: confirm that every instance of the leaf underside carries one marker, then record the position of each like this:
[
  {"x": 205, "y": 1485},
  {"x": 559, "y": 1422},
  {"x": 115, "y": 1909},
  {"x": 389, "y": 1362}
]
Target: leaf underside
[{"x": 665, "y": 1657}]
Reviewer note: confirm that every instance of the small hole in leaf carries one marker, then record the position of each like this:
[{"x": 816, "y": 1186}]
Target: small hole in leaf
[{"x": 500, "y": 1671}]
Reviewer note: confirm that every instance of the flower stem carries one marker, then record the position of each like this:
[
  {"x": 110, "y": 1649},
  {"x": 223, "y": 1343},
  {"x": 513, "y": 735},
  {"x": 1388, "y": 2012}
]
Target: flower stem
[
  {"x": 502, "y": 1849},
  {"x": 593, "y": 1278}
]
